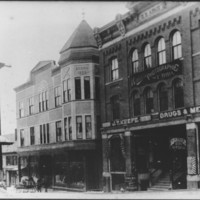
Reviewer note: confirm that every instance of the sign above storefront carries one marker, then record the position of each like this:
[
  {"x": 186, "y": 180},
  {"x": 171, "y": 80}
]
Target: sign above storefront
[
  {"x": 165, "y": 71},
  {"x": 155, "y": 116}
]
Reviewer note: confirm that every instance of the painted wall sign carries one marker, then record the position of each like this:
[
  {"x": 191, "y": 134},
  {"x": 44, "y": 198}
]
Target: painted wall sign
[
  {"x": 154, "y": 116},
  {"x": 158, "y": 73},
  {"x": 178, "y": 143}
]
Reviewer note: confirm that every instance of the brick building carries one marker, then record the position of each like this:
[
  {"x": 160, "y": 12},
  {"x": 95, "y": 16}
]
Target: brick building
[
  {"x": 150, "y": 104},
  {"x": 58, "y": 117}
]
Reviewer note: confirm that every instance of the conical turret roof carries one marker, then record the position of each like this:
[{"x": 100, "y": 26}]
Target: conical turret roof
[{"x": 81, "y": 37}]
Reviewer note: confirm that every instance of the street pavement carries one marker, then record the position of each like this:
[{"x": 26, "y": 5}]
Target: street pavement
[{"x": 55, "y": 194}]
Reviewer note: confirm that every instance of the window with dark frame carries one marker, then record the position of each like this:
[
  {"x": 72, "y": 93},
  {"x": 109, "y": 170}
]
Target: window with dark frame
[
  {"x": 163, "y": 97},
  {"x": 32, "y": 135},
  {"x": 78, "y": 88},
  {"x": 70, "y": 127},
  {"x": 147, "y": 57},
  {"x": 79, "y": 127},
  {"x": 31, "y": 105},
  {"x": 65, "y": 91},
  {"x": 58, "y": 131},
  {"x": 66, "y": 128},
  {"x": 22, "y": 142},
  {"x": 178, "y": 93},
  {"x": 114, "y": 69},
  {"x": 43, "y": 101},
  {"x": 97, "y": 88},
  {"x": 161, "y": 52},
  {"x": 115, "y": 106},
  {"x": 136, "y": 104},
  {"x": 44, "y": 134},
  {"x": 148, "y": 96},
  {"x": 87, "y": 87},
  {"x": 135, "y": 62},
  {"x": 176, "y": 45},
  {"x": 57, "y": 93},
  {"x": 88, "y": 127},
  {"x": 21, "y": 109}
]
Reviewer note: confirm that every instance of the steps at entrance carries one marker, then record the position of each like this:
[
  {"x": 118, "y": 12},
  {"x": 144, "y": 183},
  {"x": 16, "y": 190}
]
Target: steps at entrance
[{"x": 163, "y": 184}]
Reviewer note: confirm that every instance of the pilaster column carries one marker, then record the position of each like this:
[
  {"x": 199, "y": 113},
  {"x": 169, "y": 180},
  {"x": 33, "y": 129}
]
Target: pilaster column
[
  {"x": 128, "y": 152},
  {"x": 19, "y": 168},
  {"x": 192, "y": 155},
  {"x": 106, "y": 173}
]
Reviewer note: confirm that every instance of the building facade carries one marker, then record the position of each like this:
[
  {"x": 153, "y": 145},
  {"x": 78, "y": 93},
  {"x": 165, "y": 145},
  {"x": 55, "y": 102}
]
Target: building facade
[
  {"x": 149, "y": 61},
  {"x": 58, "y": 117}
]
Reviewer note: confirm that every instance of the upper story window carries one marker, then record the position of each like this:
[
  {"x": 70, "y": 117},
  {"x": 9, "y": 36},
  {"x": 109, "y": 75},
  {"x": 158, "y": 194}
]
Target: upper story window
[
  {"x": 161, "y": 52},
  {"x": 78, "y": 88},
  {"x": 135, "y": 62},
  {"x": 57, "y": 93},
  {"x": 66, "y": 90},
  {"x": 176, "y": 45},
  {"x": 115, "y": 106},
  {"x": 44, "y": 134},
  {"x": 178, "y": 93},
  {"x": 58, "y": 131},
  {"x": 43, "y": 101},
  {"x": 32, "y": 135},
  {"x": 87, "y": 87},
  {"x": 136, "y": 103},
  {"x": 147, "y": 56},
  {"x": 21, "y": 109},
  {"x": 31, "y": 105},
  {"x": 163, "y": 97},
  {"x": 68, "y": 128},
  {"x": 22, "y": 137},
  {"x": 114, "y": 69},
  {"x": 88, "y": 126},
  {"x": 148, "y": 97},
  {"x": 11, "y": 160},
  {"x": 79, "y": 127}
]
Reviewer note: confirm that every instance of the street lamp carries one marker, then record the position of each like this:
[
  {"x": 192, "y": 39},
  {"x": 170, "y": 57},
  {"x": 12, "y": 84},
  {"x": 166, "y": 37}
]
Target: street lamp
[{"x": 3, "y": 140}]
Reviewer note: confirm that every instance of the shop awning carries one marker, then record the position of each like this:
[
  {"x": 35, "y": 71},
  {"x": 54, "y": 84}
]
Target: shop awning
[{"x": 4, "y": 140}]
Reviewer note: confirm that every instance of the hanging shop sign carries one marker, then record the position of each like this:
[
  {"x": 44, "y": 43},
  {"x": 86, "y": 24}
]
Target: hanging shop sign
[
  {"x": 150, "y": 75},
  {"x": 177, "y": 143}
]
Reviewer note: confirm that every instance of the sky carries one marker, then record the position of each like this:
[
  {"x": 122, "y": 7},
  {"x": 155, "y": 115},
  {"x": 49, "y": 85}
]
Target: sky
[{"x": 34, "y": 31}]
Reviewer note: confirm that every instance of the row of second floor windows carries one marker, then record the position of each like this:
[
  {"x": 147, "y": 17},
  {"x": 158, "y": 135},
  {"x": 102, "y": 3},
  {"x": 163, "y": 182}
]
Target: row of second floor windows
[
  {"x": 148, "y": 97},
  {"x": 44, "y": 131},
  {"x": 65, "y": 92},
  {"x": 145, "y": 62},
  {"x": 11, "y": 160}
]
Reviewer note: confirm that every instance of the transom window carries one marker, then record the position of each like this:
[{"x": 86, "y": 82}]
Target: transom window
[
  {"x": 136, "y": 103},
  {"x": 147, "y": 56},
  {"x": 148, "y": 95},
  {"x": 135, "y": 62},
  {"x": 161, "y": 52},
  {"x": 176, "y": 45},
  {"x": 114, "y": 69}
]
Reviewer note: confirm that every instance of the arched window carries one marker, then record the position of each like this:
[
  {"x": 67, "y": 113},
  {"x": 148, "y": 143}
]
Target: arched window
[
  {"x": 136, "y": 104},
  {"x": 147, "y": 56},
  {"x": 135, "y": 62},
  {"x": 115, "y": 106},
  {"x": 163, "y": 97},
  {"x": 176, "y": 45},
  {"x": 178, "y": 93},
  {"x": 148, "y": 97},
  {"x": 161, "y": 52}
]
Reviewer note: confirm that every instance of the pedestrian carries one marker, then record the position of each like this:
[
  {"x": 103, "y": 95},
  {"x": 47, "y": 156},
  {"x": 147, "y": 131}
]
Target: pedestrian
[
  {"x": 45, "y": 183},
  {"x": 39, "y": 185}
]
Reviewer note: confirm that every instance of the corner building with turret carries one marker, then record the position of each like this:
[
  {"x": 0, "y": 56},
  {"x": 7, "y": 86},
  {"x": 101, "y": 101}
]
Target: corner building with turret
[{"x": 58, "y": 117}]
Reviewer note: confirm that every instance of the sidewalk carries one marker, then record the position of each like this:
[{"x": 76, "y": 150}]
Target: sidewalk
[{"x": 56, "y": 194}]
